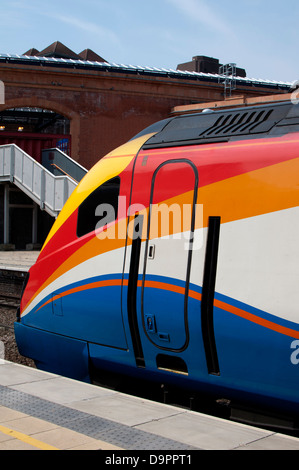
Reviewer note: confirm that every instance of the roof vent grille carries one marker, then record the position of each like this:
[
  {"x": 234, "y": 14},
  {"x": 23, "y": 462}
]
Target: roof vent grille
[{"x": 237, "y": 123}]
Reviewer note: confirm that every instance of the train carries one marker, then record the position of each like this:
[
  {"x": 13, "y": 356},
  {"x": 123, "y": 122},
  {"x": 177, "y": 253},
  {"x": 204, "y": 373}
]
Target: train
[{"x": 176, "y": 261}]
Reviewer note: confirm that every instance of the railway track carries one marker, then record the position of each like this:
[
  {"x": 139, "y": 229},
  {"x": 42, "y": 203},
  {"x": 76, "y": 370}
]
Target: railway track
[
  {"x": 9, "y": 301},
  {"x": 10, "y": 296},
  {"x": 11, "y": 284},
  {"x": 8, "y": 308}
]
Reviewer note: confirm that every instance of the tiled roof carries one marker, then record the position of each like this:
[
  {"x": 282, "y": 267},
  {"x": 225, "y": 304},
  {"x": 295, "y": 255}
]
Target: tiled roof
[{"x": 58, "y": 50}]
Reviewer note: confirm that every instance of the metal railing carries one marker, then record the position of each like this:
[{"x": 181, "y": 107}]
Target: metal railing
[
  {"x": 44, "y": 188},
  {"x": 60, "y": 164}
]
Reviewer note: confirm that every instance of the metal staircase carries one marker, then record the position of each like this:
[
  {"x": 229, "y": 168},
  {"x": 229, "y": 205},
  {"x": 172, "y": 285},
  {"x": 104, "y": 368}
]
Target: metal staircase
[{"x": 47, "y": 190}]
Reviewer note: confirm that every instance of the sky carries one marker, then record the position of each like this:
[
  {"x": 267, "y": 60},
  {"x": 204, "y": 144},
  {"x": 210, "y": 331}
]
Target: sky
[{"x": 260, "y": 36}]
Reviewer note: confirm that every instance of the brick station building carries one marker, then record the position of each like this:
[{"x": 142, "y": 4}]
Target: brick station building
[
  {"x": 92, "y": 106},
  {"x": 86, "y": 107}
]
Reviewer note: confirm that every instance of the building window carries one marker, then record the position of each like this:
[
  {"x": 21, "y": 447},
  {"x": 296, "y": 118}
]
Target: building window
[{"x": 99, "y": 208}]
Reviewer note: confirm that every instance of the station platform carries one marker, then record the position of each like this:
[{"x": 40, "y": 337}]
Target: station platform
[
  {"x": 17, "y": 260},
  {"x": 43, "y": 411}
]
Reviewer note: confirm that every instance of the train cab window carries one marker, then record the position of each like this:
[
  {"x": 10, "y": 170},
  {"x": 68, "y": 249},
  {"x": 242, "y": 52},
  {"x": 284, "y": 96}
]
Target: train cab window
[{"x": 99, "y": 208}]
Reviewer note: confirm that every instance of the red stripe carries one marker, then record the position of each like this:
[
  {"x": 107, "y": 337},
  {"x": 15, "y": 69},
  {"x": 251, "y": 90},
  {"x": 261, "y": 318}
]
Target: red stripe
[{"x": 226, "y": 160}]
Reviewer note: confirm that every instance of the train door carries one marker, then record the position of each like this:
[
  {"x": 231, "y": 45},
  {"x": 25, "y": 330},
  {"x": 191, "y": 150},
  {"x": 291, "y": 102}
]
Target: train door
[{"x": 159, "y": 253}]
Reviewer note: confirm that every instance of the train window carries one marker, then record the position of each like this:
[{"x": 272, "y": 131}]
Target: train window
[{"x": 99, "y": 208}]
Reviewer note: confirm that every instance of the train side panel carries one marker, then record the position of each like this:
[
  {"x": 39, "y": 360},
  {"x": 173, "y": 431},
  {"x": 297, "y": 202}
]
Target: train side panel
[
  {"x": 195, "y": 281},
  {"x": 252, "y": 348}
]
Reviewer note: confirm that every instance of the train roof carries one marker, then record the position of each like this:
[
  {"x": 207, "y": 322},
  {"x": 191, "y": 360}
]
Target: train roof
[{"x": 223, "y": 125}]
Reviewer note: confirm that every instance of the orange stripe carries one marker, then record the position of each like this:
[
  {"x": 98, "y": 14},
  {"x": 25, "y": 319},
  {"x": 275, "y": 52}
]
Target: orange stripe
[
  {"x": 227, "y": 307},
  {"x": 255, "y": 319},
  {"x": 92, "y": 285},
  {"x": 170, "y": 287},
  {"x": 255, "y": 193},
  {"x": 118, "y": 282},
  {"x": 181, "y": 290},
  {"x": 163, "y": 286}
]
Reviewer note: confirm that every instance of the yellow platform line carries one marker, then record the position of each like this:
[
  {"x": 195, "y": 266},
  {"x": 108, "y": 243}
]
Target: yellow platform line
[{"x": 29, "y": 440}]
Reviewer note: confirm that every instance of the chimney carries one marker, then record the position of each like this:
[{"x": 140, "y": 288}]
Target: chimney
[{"x": 204, "y": 64}]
